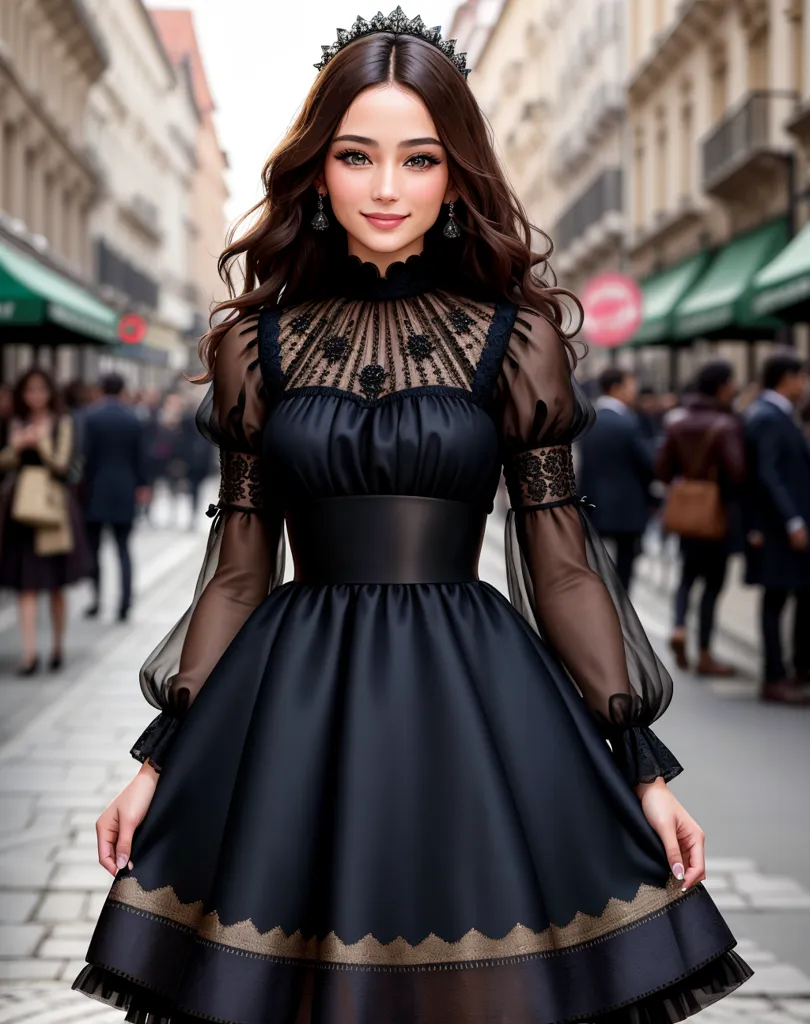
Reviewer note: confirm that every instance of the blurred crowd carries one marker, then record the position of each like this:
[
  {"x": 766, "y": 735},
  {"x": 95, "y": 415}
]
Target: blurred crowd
[
  {"x": 726, "y": 471},
  {"x": 78, "y": 462}
]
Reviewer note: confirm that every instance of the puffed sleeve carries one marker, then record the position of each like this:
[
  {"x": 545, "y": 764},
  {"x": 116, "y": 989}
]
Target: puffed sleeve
[
  {"x": 559, "y": 574},
  {"x": 244, "y": 557}
]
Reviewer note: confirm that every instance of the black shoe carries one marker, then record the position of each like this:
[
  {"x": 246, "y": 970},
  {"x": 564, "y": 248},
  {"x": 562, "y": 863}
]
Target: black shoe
[
  {"x": 56, "y": 662},
  {"x": 91, "y": 612},
  {"x": 30, "y": 669},
  {"x": 123, "y": 615}
]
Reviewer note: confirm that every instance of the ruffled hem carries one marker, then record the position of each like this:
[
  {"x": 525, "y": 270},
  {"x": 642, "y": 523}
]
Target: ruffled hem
[
  {"x": 156, "y": 740},
  {"x": 642, "y": 757},
  {"x": 675, "y": 1002}
]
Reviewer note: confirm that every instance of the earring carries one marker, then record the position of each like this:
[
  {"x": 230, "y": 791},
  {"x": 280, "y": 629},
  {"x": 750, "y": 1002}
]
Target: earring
[
  {"x": 451, "y": 228},
  {"x": 320, "y": 222}
]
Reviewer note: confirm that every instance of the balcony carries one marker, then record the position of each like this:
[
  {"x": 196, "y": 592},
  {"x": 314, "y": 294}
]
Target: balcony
[
  {"x": 742, "y": 151},
  {"x": 595, "y": 217}
]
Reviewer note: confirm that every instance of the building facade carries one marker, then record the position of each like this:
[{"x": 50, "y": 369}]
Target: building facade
[
  {"x": 209, "y": 193},
  {"x": 51, "y": 55},
  {"x": 142, "y": 123}
]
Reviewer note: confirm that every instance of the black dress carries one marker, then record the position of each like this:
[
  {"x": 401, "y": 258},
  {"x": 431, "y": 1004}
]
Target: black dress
[{"x": 391, "y": 803}]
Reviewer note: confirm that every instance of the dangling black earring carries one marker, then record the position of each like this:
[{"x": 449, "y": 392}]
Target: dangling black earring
[
  {"x": 451, "y": 228},
  {"x": 320, "y": 222}
]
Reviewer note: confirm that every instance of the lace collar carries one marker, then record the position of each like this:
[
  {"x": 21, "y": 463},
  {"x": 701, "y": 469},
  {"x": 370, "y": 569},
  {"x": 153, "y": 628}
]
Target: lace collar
[{"x": 357, "y": 279}]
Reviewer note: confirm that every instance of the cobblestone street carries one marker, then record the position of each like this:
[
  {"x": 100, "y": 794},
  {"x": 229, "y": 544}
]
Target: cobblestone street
[{"x": 746, "y": 768}]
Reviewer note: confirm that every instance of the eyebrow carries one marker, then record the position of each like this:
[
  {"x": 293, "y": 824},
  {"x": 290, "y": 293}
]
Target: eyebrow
[{"x": 407, "y": 144}]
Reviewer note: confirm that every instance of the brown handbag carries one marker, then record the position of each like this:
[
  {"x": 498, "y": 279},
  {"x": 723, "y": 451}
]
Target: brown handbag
[{"x": 694, "y": 507}]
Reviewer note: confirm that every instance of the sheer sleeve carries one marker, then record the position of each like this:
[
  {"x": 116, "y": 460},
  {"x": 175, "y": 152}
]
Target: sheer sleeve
[
  {"x": 244, "y": 557},
  {"x": 559, "y": 574}
]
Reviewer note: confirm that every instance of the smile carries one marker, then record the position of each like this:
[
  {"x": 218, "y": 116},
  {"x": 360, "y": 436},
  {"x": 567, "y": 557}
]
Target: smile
[{"x": 385, "y": 220}]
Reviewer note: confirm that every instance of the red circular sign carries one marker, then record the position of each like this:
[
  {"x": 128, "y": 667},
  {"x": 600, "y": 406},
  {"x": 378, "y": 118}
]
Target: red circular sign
[
  {"x": 612, "y": 304},
  {"x": 131, "y": 328}
]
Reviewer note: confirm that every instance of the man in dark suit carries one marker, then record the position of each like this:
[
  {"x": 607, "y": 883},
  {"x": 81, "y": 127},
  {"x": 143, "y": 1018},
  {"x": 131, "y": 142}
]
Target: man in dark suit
[
  {"x": 778, "y": 517},
  {"x": 115, "y": 480},
  {"x": 615, "y": 469}
]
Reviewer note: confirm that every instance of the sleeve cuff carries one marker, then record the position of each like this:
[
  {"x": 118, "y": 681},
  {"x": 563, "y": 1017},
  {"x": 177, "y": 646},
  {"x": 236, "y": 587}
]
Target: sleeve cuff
[
  {"x": 156, "y": 740},
  {"x": 642, "y": 757}
]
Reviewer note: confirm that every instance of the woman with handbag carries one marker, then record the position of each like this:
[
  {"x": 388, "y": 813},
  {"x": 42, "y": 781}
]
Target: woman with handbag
[
  {"x": 42, "y": 544},
  {"x": 703, "y": 461}
]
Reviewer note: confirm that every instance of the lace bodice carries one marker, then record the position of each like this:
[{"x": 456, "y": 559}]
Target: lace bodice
[{"x": 397, "y": 386}]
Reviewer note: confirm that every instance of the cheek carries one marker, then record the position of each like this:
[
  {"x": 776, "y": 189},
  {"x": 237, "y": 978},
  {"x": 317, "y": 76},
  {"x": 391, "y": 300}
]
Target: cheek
[
  {"x": 427, "y": 189},
  {"x": 345, "y": 185}
]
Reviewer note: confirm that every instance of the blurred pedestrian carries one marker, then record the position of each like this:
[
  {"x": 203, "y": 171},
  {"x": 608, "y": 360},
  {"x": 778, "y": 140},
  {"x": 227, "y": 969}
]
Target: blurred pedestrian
[
  {"x": 6, "y": 413},
  {"x": 116, "y": 480},
  {"x": 76, "y": 397},
  {"x": 195, "y": 452},
  {"x": 705, "y": 445},
  {"x": 42, "y": 543},
  {"x": 168, "y": 464},
  {"x": 778, "y": 518},
  {"x": 615, "y": 469}
]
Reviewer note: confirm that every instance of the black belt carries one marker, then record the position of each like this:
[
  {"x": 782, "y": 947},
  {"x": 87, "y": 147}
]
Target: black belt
[{"x": 386, "y": 538}]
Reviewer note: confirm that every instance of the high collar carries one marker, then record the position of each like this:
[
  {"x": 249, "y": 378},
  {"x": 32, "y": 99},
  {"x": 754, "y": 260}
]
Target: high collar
[{"x": 357, "y": 279}]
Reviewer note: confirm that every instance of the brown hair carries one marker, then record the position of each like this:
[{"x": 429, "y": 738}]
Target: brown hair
[
  {"x": 21, "y": 410},
  {"x": 285, "y": 262}
]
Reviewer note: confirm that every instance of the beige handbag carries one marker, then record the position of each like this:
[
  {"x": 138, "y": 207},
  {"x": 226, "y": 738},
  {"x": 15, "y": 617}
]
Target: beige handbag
[{"x": 38, "y": 500}]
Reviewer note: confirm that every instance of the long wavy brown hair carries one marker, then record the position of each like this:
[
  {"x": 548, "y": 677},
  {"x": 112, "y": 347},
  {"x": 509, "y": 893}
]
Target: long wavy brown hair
[{"x": 283, "y": 261}]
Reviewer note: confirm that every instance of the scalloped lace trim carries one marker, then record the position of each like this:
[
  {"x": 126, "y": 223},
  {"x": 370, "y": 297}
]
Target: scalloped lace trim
[{"x": 473, "y": 946}]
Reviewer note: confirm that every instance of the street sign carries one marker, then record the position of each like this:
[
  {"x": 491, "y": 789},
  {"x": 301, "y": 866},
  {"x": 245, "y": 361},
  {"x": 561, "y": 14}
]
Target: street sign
[
  {"x": 612, "y": 303},
  {"x": 131, "y": 328}
]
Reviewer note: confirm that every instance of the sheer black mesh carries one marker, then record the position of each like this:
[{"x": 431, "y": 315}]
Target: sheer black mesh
[
  {"x": 244, "y": 558},
  {"x": 559, "y": 574}
]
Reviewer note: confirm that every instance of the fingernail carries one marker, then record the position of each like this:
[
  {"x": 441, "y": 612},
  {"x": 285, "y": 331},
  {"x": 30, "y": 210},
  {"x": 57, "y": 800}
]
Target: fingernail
[
  {"x": 130, "y": 865},
  {"x": 683, "y": 889},
  {"x": 121, "y": 862},
  {"x": 677, "y": 871}
]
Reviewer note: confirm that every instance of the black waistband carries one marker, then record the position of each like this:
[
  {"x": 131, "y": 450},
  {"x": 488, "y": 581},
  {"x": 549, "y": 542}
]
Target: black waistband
[{"x": 386, "y": 538}]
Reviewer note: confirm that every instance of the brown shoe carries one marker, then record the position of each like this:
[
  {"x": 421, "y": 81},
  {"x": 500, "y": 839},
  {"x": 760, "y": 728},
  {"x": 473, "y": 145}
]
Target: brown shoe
[
  {"x": 783, "y": 692},
  {"x": 677, "y": 644},
  {"x": 707, "y": 666}
]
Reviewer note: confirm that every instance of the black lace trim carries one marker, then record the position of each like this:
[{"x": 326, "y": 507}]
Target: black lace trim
[
  {"x": 642, "y": 757},
  {"x": 156, "y": 740},
  {"x": 358, "y": 279},
  {"x": 489, "y": 365},
  {"x": 242, "y": 481},
  {"x": 270, "y": 353},
  {"x": 541, "y": 476}
]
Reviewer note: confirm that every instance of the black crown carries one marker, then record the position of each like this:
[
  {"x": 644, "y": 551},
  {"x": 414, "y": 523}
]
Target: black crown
[{"x": 397, "y": 22}]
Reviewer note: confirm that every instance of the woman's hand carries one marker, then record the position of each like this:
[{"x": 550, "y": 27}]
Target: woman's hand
[
  {"x": 25, "y": 437},
  {"x": 682, "y": 837},
  {"x": 116, "y": 826}
]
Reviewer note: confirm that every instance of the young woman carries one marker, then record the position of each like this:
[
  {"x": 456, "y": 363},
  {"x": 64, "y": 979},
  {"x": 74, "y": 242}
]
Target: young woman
[
  {"x": 33, "y": 558},
  {"x": 384, "y": 796}
]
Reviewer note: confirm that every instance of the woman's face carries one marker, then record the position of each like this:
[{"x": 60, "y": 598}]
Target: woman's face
[
  {"x": 386, "y": 174},
  {"x": 36, "y": 393}
]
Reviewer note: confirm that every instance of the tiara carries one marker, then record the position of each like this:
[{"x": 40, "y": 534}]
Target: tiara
[{"x": 397, "y": 22}]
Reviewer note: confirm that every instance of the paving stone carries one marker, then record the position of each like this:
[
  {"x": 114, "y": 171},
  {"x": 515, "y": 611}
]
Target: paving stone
[
  {"x": 17, "y": 906},
  {"x": 728, "y": 865},
  {"x": 71, "y": 969},
  {"x": 62, "y": 906},
  {"x": 729, "y": 901},
  {"x": 74, "y": 801},
  {"x": 63, "y": 949},
  {"x": 73, "y": 930},
  {"x": 717, "y": 883},
  {"x": 766, "y": 901},
  {"x": 83, "y": 877},
  {"x": 796, "y": 1007},
  {"x": 20, "y": 939},
  {"x": 779, "y": 980},
  {"x": 15, "y": 812},
  {"x": 22, "y": 873},
  {"x": 95, "y": 904},
  {"x": 755, "y": 884}
]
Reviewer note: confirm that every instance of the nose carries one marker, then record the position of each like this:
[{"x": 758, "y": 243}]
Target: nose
[{"x": 384, "y": 186}]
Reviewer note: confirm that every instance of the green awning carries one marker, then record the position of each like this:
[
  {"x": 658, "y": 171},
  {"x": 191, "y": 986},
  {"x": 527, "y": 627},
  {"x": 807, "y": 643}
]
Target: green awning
[
  {"x": 661, "y": 294},
  {"x": 785, "y": 281},
  {"x": 720, "y": 303},
  {"x": 33, "y": 295}
]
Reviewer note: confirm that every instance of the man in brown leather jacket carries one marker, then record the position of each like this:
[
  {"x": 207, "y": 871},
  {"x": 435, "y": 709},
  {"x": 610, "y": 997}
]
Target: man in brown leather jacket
[{"x": 708, "y": 433}]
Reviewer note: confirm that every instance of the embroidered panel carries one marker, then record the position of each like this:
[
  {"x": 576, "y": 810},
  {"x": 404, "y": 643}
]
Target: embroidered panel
[
  {"x": 474, "y": 946},
  {"x": 241, "y": 481},
  {"x": 541, "y": 477},
  {"x": 377, "y": 348}
]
